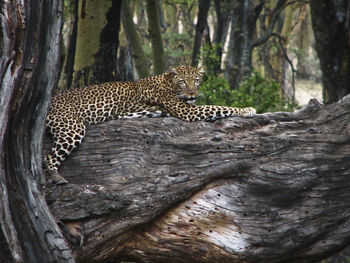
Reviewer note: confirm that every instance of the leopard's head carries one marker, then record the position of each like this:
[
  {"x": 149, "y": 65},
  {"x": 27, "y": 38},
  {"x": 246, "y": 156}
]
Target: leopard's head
[{"x": 186, "y": 80}]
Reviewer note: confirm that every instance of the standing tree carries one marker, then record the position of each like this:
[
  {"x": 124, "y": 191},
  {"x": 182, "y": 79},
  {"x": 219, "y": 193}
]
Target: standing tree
[
  {"x": 97, "y": 41},
  {"x": 222, "y": 11},
  {"x": 239, "y": 58},
  {"x": 156, "y": 38},
  {"x": 330, "y": 22},
  {"x": 30, "y": 41},
  {"x": 203, "y": 7},
  {"x": 304, "y": 41},
  {"x": 70, "y": 28},
  {"x": 140, "y": 60}
]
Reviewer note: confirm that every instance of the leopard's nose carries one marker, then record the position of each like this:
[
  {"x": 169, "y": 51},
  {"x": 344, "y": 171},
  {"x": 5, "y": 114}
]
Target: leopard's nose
[{"x": 191, "y": 92}]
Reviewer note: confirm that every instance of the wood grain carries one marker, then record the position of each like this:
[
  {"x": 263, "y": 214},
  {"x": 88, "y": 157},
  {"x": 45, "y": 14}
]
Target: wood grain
[{"x": 270, "y": 188}]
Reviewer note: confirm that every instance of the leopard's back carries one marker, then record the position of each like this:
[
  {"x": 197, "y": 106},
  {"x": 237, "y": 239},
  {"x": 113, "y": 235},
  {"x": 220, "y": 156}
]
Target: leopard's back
[{"x": 96, "y": 103}]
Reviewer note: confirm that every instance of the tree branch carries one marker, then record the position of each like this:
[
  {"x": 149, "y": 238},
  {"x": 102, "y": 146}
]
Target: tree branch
[
  {"x": 289, "y": 61},
  {"x": 280, "y": 6}
]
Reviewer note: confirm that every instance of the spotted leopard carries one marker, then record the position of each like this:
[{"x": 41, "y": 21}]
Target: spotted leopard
[{"x": 171, "y": 93}]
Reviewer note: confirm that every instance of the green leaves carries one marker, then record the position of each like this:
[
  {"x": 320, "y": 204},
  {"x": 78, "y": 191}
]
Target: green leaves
[
  {"x": 258, "y": 92},
  {"x": 254, "y": 91}
]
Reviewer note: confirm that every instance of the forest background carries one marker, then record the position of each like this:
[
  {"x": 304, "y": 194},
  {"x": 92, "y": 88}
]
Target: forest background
[{"x": 256, "y": 53}]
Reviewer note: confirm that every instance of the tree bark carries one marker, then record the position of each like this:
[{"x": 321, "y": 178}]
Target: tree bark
[
  {"x": 203, "y": 8},
  {"x": 156, "y": 37},
  {"x": 330, "y": 23},
  {"x": 272, "y": 188},
  {"x": 30, "y": 51}
]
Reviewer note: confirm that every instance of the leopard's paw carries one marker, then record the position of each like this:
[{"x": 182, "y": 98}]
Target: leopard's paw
[
  {"x": 56, "y": 179},
  {"x": 249, "y": 112},
  {"x": 53, "y": 177}
]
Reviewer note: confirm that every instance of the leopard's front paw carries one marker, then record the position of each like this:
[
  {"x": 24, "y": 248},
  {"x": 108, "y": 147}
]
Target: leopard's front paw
[
  {"x": 249, "y": 112},
  {"x": 57, "y": 179},
  {"x": 53, "y": 177}
]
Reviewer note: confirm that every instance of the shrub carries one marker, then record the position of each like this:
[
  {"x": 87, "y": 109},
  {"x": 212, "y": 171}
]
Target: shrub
[
  {"x": 254, "y": 91},
  {"x": 258, "y": 92}
]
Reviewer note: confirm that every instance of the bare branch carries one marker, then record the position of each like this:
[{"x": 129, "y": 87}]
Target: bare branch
[
  {"x": 294, "y": 71},
  {"x": 275, "y": 14}
]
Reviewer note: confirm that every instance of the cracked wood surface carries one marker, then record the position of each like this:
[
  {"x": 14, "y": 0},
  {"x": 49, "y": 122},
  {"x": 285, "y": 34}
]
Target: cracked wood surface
[{"x": 270, "y": 188}]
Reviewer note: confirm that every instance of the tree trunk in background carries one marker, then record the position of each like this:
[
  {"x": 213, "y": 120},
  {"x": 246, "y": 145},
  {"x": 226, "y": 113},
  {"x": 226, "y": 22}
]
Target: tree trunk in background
[
  {"x": 105, "y": 66},
  {"x": 271, "y": 188},
  {"x": 141, "y": 63},
  {"x": 304, "y": 42},
  {"x": 156, "y": 38},
  {"x": 69, "y": 32},
  {"x": 239, "y": 58},
  {"x": 244, "y": 36},
  {"x": 278, "y": 68},
  {"x": 222, "y": 9},
  {"x": 97, "y": 42},
  {"x": 271, "y": 52},
  {"x": 330, "y": 22},
  {"x": 29, "y": 70},
  {"x": 125, "y": 65},
  {"x": 203, "y": 8},
  {"x": 160, "y": 13},
  {"x": 173, "y": 18}
]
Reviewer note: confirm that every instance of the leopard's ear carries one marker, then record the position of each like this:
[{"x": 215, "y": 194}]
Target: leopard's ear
[
  {"x": 201, "y": 71},
  {"x": 174, "y": 71}
]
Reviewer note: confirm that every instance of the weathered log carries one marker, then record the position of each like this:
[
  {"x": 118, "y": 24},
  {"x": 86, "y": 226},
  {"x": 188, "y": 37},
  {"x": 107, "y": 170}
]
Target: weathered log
[{"x": 270, "y": 188}]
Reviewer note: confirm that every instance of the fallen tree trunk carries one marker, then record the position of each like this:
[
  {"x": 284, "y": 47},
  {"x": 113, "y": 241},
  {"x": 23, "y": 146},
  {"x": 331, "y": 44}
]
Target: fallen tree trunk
[{"x": 272, "y": 188}]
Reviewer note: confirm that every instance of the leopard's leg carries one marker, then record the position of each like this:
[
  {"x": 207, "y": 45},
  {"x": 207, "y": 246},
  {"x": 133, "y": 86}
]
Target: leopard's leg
[
  {"x": 146, "y": 111},
  {"x": 190, "y": 112},
  {"x": 213, "y": 112},
  {"x": 68, "y": 132}
]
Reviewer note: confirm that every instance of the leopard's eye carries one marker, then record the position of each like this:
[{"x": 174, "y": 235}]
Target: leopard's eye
[
  {"x": 181, "y": 82},
  {"x": 197, "y": 80}
]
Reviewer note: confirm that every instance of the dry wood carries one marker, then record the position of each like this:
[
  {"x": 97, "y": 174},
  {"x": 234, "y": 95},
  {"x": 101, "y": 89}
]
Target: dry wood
[{"x": 270, "y": 188}]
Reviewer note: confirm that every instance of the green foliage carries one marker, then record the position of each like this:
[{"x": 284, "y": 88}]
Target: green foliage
[
  {"x": 254, "y": 91},
  {"x": 215, "y": 90},
  {"x": 211, "y": 60},
  {"x": 258, "y": 92}
]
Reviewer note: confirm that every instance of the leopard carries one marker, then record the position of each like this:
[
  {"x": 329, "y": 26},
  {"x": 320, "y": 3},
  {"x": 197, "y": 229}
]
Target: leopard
[{"x": 172, "y": 93}]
